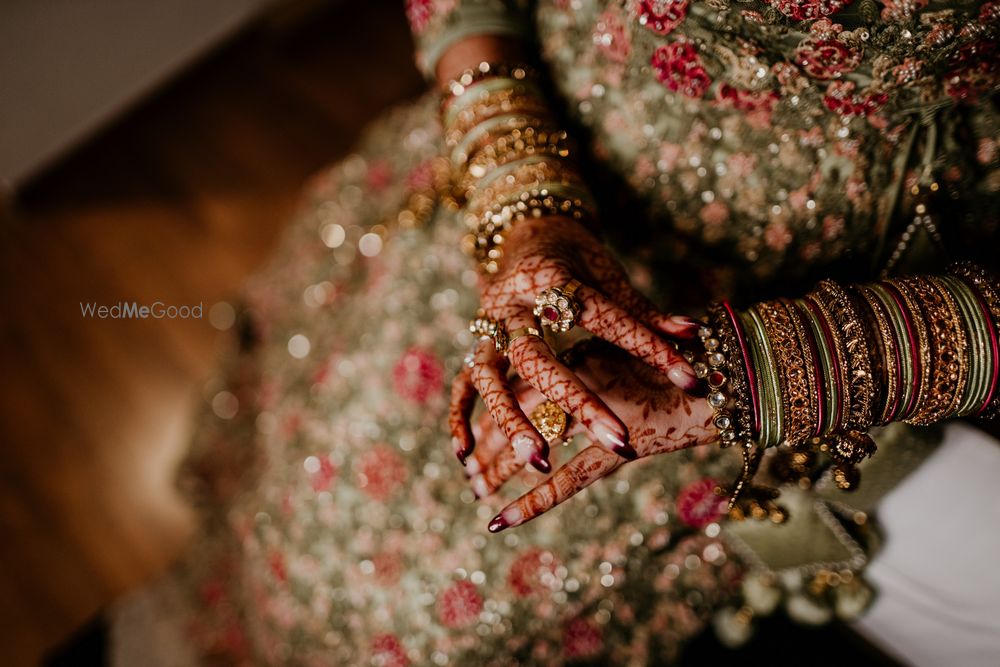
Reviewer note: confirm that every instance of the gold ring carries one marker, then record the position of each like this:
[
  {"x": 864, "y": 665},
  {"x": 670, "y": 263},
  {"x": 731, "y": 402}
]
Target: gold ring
[
  {"x": 550, "y": 420},
  {"x": 556, "y": 307},
  {"x": 522, "y": 331},
  {"x": 487, "y": 327}
]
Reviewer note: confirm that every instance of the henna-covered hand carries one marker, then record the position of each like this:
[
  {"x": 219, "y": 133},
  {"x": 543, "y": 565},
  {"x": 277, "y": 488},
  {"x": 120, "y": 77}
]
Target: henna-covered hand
[
  {"x": 550, "y": 252},
  {"x": 661, "y": 419}
]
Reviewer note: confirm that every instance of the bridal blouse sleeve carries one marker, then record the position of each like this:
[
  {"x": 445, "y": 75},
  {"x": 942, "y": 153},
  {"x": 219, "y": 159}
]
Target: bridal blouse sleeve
[{"x": 437, "y": 24}]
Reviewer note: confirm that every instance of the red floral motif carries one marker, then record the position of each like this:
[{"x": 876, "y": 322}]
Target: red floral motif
[
  {"x": 380, "y": 471},
  {"x": 977, "y": 70},
  {"x": 418, "y": 13},
  {"x": 807, "y": 10},
  {"x": 418, "y": 375},
  {"x": 662, "y": 16},
  {"x": 841, "y": 99},
  {"x": 757, "y": 104},
  {"x": 908, "y": 71},
  {"x": 581, "y": 639},
  {"x": 823, "y": 56},
  {"x": 379, "y": 175},
  {"x": 421, "y": 177},
  {"x": 528, "y": 571},
  {"x": 276, "y": 563},
  {"x": 611, "y": 37},
  {"x": 323, "y": 478},
  {"x": 679, "y": 68},
  {"x": 388, "y": 652},
  {"x": 212, "y": 592},
  {"x": 698, "y": 504},
  {"x": 460, "y": 605}
]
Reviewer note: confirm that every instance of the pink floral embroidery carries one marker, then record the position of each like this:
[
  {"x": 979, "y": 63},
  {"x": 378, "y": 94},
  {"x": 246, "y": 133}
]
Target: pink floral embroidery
[
  {"x": 841, "y": 99},
  {"x": 379, "y": 175},
  {"x": 806, "y": 10},
  {"x": 698, "y": 504},
  {"x": 418, "y": 13},
  {"x": 833, "y": 226},
  {"x": 823, "y": 56},
  {"x": 460, "y": 605},
  {"x": 418, "y": 375},
  {"x": 388, "y": 568},
  {"x": 388, "y": 652},
  {"x": 679, "y": 68},
  {"x": 901, "y": 10},
  {"x": 323, "y": 478},
  {"x": 662, "y": 16},
  {"x": 977, "y": 70},
  {"x": 611, "y": 37},
  {"x": 582, "y": 638},
  {"x": 528, "y": 573},
  {"x": 380, "y": 472},
  {"x": 987, "y": 151},
  {"x": 757, "y": 104},
  {"x": 714, "y": 214},
  {"x": 276, "y": 563},
  {"x": 777, "y": 236},
  {"x": 421, "y": 177}
]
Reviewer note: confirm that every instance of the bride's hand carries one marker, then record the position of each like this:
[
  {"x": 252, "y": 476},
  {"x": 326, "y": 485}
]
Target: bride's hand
[
  {"x": 549, "y": 253},
  {"x": 660, "y": 417}
]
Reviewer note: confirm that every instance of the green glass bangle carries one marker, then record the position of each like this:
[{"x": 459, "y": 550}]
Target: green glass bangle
[
  {"x": 980, "y": 359},
  {"x": 898, "y": 324},
  {"x": 772, "y": 416},
  {"x": 826, "y": 367}
]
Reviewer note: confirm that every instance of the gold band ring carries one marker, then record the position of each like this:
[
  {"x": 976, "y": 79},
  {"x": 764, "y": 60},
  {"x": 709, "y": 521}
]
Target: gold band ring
[{"x": 522, "y": 331}]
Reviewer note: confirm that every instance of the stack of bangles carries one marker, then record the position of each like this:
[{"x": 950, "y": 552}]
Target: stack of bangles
[
  {"x": 813, "y": 375},
  {"x": 509, "y": 160}
]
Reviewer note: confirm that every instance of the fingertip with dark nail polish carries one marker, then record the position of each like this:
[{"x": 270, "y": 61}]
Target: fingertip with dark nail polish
[
  {"x": 541, "y": 464},
  {"x": 626, "y": 452},
  {"x": 497, "y": 524}
]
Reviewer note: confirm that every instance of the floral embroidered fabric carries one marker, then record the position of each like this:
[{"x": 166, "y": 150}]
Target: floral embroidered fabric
[{"x": 337, "y": 527}]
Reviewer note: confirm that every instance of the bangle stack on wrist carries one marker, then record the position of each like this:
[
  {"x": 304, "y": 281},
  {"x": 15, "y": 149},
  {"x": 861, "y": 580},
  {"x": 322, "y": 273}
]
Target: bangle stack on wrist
[
  {"x": 509, "y": 160},
  {"x": 817, "y": 373}
]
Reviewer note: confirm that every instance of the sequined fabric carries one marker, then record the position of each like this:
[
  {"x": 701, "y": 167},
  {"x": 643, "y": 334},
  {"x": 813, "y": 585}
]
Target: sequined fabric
[{"x": 337, "y": 527}]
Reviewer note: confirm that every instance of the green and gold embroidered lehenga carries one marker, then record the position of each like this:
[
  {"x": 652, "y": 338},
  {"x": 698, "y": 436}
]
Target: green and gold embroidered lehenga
[{"x": 738, "y": 149}]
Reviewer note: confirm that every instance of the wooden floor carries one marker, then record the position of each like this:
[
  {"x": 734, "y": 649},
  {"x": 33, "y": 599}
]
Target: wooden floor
[{"x": 177, "y": 202}]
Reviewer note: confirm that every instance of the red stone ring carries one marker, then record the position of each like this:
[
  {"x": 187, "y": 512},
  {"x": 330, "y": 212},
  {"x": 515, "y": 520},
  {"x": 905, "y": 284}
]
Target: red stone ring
[{"x": 556, "y": 308}]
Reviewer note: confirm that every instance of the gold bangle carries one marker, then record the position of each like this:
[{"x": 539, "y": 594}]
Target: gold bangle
[
  {"x": 912, "y": 304},
  {"x": 860, "y": 381},
  {"x": 518, "y": 100},
  {"x": 889, "y": 356},
  {"x": 948, "y": 342},
  {"x": 792, "y": 372},
  {"x": 486, "y": 70}
]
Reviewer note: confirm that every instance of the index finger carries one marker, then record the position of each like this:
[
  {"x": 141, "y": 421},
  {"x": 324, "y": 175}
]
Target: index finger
[{"x": 581, "y": 471}]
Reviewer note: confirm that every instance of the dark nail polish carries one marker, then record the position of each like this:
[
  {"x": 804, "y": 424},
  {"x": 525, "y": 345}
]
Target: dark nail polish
[
  {"x": 498, "y": 523},
  {"x": 540, "y": 464},
  {"x": 461, "y": 457},
  {"x": 626, "y": 452}
]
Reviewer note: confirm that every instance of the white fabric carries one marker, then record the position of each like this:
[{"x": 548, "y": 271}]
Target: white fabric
[{"x": 938, "y": 576}]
